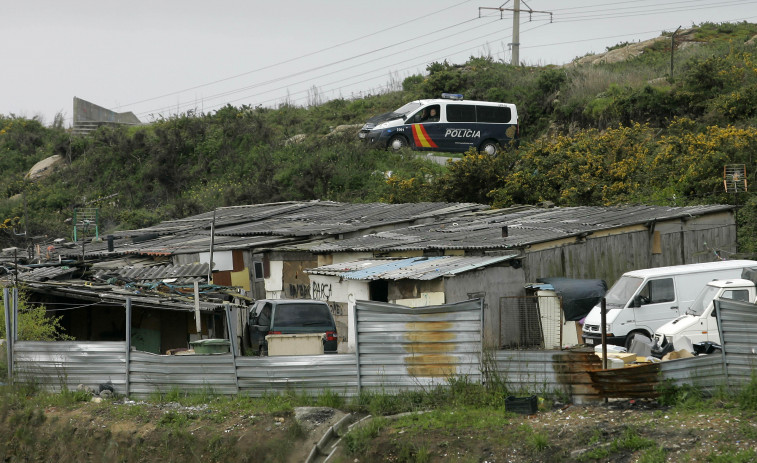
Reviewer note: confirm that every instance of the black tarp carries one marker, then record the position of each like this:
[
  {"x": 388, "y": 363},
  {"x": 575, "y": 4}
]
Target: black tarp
[{"x": 578, "y": 295}]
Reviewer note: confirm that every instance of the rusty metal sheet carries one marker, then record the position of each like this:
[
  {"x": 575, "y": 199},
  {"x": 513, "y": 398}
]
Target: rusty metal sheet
[
  {"x": 631, "y": 382},
  {"x": 400, "y": 348}
]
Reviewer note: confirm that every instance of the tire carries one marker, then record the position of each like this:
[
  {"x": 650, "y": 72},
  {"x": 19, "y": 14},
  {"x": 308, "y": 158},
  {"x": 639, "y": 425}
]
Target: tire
[
  {"x": 490, "y": 147},
  {"x": 397, "y": 143}
]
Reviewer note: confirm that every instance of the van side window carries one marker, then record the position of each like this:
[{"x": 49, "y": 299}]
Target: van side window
[
  {"x": 656, "y": 291},
  {"x": 461, "y": 113},
  {"x": 493, "y": 114},
  {"x": 736, "y": 294}
]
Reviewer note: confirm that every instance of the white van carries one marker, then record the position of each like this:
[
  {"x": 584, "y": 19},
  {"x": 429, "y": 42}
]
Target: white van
[{"x": 641, "y": 301}]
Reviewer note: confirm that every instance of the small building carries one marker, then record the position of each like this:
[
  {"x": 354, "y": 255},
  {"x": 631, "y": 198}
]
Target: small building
[{"x": 412, "y": 282}]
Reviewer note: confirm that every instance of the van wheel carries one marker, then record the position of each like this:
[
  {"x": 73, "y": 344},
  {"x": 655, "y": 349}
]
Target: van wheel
[
  {"x": 397, "y": 142},
  {"x": 489, "y": 147}
]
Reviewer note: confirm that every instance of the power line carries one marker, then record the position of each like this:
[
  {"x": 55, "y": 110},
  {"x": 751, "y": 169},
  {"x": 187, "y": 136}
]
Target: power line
[
  {"x": 580, "y": 16},
  {"x": 306, "y": 71},
  {"x": 290, "y": 60}
]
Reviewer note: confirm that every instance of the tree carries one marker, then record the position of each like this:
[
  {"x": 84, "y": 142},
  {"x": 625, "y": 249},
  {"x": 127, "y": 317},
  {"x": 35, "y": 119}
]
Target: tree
[{"x": 34, "y": 324}]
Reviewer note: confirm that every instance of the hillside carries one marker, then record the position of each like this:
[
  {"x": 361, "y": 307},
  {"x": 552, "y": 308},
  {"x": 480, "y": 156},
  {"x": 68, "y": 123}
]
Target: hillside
[{"x": 603, "y": 130}]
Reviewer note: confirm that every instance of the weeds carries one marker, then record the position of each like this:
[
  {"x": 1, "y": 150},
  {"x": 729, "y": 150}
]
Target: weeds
[
  {"x": 654, "y": 455},
  {"x": 747, "y": 396},
  {"x": 539, "y": 441},
  {"x": 358, "y": 440}
]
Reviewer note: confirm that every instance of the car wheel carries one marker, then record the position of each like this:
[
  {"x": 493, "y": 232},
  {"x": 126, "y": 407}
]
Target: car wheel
[
  {"x": 489, "y": 147},
  {"x": 397, "y": 142}
]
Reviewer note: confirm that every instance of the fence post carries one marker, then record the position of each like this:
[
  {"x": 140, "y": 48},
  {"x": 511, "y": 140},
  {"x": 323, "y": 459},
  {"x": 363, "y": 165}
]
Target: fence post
[
  {"x": 603, "y": 308},
  {"x": 481, "y": 367},
  {"x": 232, "y": 344},
  {"x": 357, "y": 347},
  {"x": 15, "y": 314},
  {"x": 716, "y": 302},
  {"x": 128, "y": 343},
  {"x": 8, "y": 331}
]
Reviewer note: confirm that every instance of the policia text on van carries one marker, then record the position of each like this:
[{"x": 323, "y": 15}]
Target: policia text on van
[{"x": 447, "y": 124}]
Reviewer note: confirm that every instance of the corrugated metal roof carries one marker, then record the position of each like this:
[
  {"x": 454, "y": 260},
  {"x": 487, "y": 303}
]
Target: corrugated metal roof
[
  {"x": 184, "y": 274},
  {"x": 484, "y": 230},
  {"x": 414, "y": 268},
  {"x": 45, "y": 273},
  {"x": 243, "y": 227}
]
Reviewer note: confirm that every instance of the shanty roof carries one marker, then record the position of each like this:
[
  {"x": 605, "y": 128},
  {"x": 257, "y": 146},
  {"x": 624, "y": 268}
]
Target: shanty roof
[
  {"x": 413, "y": 268},
  {"x": 157, "y": 296},
  {"x": 503, "y": 229},
  {"x": 177, "y": 274},
  {"x": 259, "y": 225},
  {"x": 44, "y": 273}
]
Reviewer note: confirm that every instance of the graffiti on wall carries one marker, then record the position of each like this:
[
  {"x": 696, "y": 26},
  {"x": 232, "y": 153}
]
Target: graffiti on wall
[
  {"x": 321, "y": 291},
  {"x": 299, "y": 291}
]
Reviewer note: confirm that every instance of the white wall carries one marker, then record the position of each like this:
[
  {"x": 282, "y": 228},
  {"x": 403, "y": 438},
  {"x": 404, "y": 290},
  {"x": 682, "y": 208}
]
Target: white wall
[
  {"x": 274, "y": 284},
  {"x": 223, "y": 260},
  {"x": 340, "y": 293}
]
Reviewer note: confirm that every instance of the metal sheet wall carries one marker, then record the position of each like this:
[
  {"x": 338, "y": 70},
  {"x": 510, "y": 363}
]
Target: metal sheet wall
[
  {"x": 399, "y": 348},
  {"x": 737, "y": 322},
  {"x": 704, "y": 371},
  {"x": 547, "y": 371},
  {"x": 53, "y": 365},
  {"x": 150, "y": 373},
  {"x": 311, "y": 374}
]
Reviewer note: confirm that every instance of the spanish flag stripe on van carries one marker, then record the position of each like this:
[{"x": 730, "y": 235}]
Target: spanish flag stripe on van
[{"x": 421, "y": 137}]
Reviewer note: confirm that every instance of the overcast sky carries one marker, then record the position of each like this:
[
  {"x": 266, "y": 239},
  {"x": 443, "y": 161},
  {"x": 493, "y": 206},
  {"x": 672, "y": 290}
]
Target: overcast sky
[{"x": 162, "y": 57}]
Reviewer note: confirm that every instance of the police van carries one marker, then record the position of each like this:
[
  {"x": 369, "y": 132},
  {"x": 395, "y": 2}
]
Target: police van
[{"x": 450, "y": 124}]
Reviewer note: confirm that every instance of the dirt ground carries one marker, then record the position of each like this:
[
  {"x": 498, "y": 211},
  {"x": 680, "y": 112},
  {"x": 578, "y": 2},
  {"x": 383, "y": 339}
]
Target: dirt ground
[{"x": 622, "y": 431}]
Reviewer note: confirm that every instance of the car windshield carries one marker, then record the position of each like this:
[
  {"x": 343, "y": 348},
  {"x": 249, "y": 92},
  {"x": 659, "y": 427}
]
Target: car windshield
[
  {"x": 622, "y": 290},
  {"x": 703, "y": 300},
  {"x": 292, "y": 315}
]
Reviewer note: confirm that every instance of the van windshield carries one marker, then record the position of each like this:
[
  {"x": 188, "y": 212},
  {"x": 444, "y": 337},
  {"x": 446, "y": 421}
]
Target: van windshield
[
  {"x": 291, "y": 315},
  {"x": 703, "y": 300},
  {"x": 622, "y": 290},
  {"x": 408, "y": 108}
]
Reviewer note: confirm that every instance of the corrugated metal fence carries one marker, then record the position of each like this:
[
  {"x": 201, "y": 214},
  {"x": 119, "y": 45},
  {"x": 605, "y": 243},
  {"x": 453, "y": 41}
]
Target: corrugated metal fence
[
  {"x": 55, "y": 365},
  {"x": 398, "y": 348},
  {"x": 404, "y": 348}
]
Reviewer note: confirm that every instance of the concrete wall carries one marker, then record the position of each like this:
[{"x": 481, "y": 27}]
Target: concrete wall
[{"x": 86, "y": 111}]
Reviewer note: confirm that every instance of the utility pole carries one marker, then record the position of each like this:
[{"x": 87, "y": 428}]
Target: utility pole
[
  {"x": 515, "y": 61},
  {"x": 672, "y": 47}
]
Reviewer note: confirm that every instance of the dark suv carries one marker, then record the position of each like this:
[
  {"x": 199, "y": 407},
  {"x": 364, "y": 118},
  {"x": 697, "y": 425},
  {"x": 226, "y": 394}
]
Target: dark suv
[{"x": 290, "y": 316}]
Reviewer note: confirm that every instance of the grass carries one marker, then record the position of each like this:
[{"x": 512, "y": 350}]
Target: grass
[{"x": 358, "y": 440}]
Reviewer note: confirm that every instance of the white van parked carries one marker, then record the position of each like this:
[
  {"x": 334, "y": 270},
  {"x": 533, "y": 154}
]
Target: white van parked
[{"x": 641, "y": 301}]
